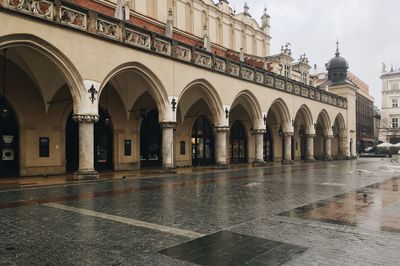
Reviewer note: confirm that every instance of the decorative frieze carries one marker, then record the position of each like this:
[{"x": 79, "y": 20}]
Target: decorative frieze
[
  {"x": 297, "y": 89},
  {"x": 289, "y": 87},
  {"x": 318, "y": 96},
  {"x": 259, "y": 77},
  {"x": 73, "y": 18},
  {"x": 219, "y": 65},
  {"x": 107, "y": 28},
  {"x": 247, "y": 74},
  {"x": 137, "y": 39},
  {"x": 202, "y": 60},
  {"x": 234, "y": 70},
  {"x": 85, "y": 118},
  {"x": 312, "y": 94},
  {"x": 304, "y": 92},
  {"x": 280, "y": 84},
  {"x": 162, "y": 46},
  {"x": 270, "y": 81},
  {"x": 39, "y": 8},
  {"x": 183, "y": 53},
  {"x": 324, "y": 98}
]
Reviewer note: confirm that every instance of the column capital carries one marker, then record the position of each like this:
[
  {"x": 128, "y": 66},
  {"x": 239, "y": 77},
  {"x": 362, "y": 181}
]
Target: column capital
[
  {"x": 259, "y": 131},
  {"x": 221, "y": 129},
  {"x": 287, "y": 134},
  {"x": 85, "y": 118},
  {"x": 168, "y": 125}
]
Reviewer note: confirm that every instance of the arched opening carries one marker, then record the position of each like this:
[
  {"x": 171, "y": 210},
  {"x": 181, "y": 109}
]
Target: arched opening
[
  {"x": 322, "y": 131},
  {"x": 9, "y": 141},
  {"x": 238, "y": 143},
  {"x": 268, "y": 146},
  {"x": 150, "y": 140},
  {"x": 278, "y": 121},
  {"x": 302, "y": 126},
  {"x": 188, "y": 18},
  {"x": 202, "y": 142},
  {"x": 71, "y": 145}
]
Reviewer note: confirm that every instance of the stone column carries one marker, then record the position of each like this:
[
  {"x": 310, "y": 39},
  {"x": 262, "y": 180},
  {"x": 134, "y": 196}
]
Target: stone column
[
  {"x": 310, "y": 148},
  {"x": 168, "y": 162},
  {"x": 86, "y": 146},
  {"x": 342, "y": 148},
  {"x": 259, "y": 149},
  {"x": 220, "y": 147},
  {"x": 328, "y": 148},
  {"x": 287, "y": 156}
]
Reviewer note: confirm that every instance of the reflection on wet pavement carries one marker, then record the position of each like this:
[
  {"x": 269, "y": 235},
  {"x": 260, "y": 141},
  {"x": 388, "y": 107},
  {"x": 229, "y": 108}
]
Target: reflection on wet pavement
[{"x": 375, "y": 207}]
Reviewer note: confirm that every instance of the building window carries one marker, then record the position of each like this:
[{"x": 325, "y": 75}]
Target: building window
[
  {"x": 304, "y": 76},
  {"x": 286, "y": 70},
  {"x": 395, "y": 103},
  {"x": 395, "y": 122}
]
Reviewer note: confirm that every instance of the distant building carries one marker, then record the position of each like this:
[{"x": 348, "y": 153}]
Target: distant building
[
  {"x": 365, "y": 132},
  {"x": 389, "y": 130},
  {"x": 377, "y": 123}
]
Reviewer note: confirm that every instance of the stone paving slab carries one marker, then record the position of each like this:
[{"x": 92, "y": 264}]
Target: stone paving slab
[{"x": 242, "y": 201}]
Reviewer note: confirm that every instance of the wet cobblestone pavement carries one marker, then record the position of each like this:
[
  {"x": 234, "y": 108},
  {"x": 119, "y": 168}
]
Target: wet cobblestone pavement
[{"x": 305, "y": 214}]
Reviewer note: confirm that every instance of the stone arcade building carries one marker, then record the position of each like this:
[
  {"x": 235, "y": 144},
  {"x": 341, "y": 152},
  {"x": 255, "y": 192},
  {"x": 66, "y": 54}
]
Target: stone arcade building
[{"x": 85, "y": 92}]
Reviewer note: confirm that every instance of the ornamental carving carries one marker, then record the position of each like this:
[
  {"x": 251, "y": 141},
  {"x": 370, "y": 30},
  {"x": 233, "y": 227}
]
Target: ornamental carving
[
  {"x": 137, "y": 38},
  {"x": 247, "y": 74},
  {"x": 40, "y": 8},
  {"x": 296, "y": 89},
  {"x": 108, "y": 29},
  {"x": 259, "y": 77},
  {"x": 183, "y": 53},
  {"x": 72, "y": 18},
  {"x": 334, "y": 101},
  {"x": 280, "y": 84},
  {"x": 312, "y": 94},
  {"x": 270, "y": 81},
  {"x": 318, "y": 96},
  {"x": 202, "y": 60},
  {"x": 289, "y": 87},
  {"x": 168, "y": 125},
  {"x": 162, "y": 47},
  {"x": 304, "y": 92},
  {"x": 234, "y": 70},
  {"x": 219, "y": 65},
  {"x": 324, "y": 98},
  {"x": 85, "y": 118},
  {"x": 221, "y": 129},
  {"x": 329, "y": 99}
]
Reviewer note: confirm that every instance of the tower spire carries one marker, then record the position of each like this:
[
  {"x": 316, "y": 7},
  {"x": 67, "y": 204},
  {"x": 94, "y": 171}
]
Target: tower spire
[{"x": 337, "y": 49}]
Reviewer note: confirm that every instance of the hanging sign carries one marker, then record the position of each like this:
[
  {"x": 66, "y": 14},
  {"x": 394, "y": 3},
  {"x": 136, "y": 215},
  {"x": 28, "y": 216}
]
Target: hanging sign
[{"x": 8, "y": 155}]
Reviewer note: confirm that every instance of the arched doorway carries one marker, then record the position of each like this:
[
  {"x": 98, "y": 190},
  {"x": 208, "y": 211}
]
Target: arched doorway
[
  {"x": 238, "y": 143},
  {"x": 9, "y": 148},
  {"x": 103, "y": 148},
  {"x": 103, "y": 145},
  {"x": 202, "y": 142},
  {"x": 150, "y": 140},
  {"x": 268, "y": 146}
]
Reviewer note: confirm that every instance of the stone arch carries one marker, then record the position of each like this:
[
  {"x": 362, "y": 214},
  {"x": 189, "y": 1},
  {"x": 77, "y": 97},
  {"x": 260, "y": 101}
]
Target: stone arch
[
  {"x": 251, "y": 105},
  {"x": 69, "y": 71},
  {"x": 325, "y": 121},
  {"x": 340, "y": 124},
  {"x": 208, "y": 93},
  {"x": 305, "y": 114},
  {"x": 283, "y": 114},
  {"x": 156, "y": 88}
]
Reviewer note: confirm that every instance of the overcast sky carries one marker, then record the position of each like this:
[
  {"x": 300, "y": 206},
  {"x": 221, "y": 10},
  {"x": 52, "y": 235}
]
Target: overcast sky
[{"x": 368, "y": 32}]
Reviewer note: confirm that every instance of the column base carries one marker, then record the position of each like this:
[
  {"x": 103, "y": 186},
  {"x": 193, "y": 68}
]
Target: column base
[
  {"x": 168, "y": 170},
  {"x": 328, "y": 159},
  {"x": 85, "y": 175},
  {"x": 310, "y": 160},
  {"x": 221, "y": 166},
  {"x": 259, "y": 163},
  {"x": 287, "y": 162}
]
